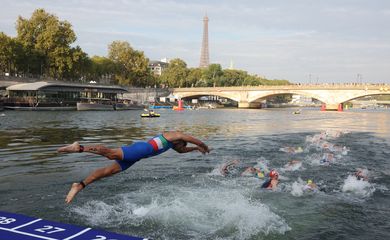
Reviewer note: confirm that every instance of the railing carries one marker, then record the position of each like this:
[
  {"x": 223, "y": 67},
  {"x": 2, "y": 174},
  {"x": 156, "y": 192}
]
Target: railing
[{"x": 381, "y": 87}]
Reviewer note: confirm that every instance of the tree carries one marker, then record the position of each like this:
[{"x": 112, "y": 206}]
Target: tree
[
  {"x": 6, "y": 52},
  {"x": 80, "y": 65},
  {"x": 48, "y": 40},
  {"x": 175, "y": 75},
  {"x": 194, "y": 76},
  {"x": 131, "y": 65},
  {"x": 102, "y": 67},
  {"x": 212, "y": 74}
]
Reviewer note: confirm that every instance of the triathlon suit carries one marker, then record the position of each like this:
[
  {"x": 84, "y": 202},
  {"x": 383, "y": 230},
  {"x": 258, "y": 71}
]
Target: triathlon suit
[
  {"x": 139, "y": 150},
  {"x": 266, "y": 184}
]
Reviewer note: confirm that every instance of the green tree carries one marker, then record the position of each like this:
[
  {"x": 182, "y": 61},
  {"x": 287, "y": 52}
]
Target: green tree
[
  {"x": 131, "y": 65},
  {"x": 175, "y": 75},
  {"x": 48, "y": 40},
  {"x": 194, "y": 76},
  {"x": 102, "y": 67},
  {"x": 212, "y": 74},
  {"x": 80, "y": 65},
  {"x": 232, "y": 77},
  {"x": 6, "y": 53}
]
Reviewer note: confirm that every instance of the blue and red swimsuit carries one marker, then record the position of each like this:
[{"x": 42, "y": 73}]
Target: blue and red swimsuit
[{"x": 139, "y": 150}]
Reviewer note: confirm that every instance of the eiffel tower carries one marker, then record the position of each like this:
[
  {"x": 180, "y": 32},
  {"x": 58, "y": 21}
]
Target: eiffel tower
[{"x": 204, "y": 54}]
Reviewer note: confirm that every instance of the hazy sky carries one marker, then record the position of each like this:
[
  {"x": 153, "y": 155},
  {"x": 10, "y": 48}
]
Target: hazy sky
[{"x": 297, "y": 40}]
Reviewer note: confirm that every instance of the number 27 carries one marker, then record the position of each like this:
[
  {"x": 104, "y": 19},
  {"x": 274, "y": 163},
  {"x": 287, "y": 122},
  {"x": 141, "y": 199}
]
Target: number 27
[{"x": 46, "y": 228}]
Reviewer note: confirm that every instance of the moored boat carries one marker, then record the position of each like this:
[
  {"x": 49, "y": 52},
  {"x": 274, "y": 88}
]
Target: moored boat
[
  {"x": 96, "y": 105},
  {"x": 128, "y": 105},
  {"x": 61, "y": 96}
]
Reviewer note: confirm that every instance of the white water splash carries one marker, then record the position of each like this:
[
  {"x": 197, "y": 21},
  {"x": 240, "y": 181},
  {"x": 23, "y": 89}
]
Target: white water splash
[
  {"x": 357, "y": 187},
  {"x": 199, "y": 212}
]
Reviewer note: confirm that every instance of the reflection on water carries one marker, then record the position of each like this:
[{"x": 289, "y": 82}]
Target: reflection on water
[{"x": 183, "y": 196}]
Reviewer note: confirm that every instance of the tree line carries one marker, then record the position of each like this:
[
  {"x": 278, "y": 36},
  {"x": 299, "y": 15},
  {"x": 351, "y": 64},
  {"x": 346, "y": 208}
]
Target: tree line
[{"x": 43, "y": 48}]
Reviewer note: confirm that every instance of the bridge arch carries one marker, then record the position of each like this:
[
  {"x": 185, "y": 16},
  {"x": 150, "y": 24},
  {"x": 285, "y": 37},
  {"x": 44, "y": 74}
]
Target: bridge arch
[
  {"x": 264, "y": 95},
  {"x": 218, "y": 94},
  {"x": 350, "y": 98}
]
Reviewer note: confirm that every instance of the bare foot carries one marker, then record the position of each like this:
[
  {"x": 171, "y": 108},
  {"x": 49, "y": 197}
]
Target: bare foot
[
  {"x": 76, "y": 187},
  {"x": 72, "y": 148}
]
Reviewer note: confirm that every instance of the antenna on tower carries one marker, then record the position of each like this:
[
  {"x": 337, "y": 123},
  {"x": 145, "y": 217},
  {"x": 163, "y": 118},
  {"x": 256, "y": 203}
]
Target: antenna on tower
[{"x": 231, "y": 67}]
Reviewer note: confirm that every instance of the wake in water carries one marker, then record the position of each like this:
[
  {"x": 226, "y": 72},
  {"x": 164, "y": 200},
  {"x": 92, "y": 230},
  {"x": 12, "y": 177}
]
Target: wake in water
[{"x": 188, "y": 213}]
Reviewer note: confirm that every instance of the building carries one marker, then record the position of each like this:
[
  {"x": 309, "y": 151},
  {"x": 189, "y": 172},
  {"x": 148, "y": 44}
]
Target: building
[{"x": 157, "y": 67}]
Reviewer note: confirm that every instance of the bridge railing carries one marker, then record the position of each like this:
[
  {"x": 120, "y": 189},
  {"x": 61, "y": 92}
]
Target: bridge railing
[{"x": 324, "y": 86}]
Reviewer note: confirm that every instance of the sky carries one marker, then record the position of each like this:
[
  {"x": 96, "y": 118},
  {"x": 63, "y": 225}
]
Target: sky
[{"x": 303, "y": 41}]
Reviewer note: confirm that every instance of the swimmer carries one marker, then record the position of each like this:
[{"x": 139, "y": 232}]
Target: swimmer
[
  {"x": 339, "y": 149},
  {"x": 273, "y": 181},
  {"x": 292, "y": 165},
  {"x": 253, "y": 171},
  {"x": 310, "y": 186},
  {"x": 228, "y": 167},
  {"x": 361, "y": 174},
  {"x": 327, "y": 159},
  {"x": 126, "y": 156},
  {"x": 291, "y": 150}
]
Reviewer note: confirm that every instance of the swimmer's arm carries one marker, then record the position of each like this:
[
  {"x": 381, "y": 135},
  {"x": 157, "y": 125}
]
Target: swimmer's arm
[
  {"x": 186, "y": 149},
  {"x": 174, "y": 136}
]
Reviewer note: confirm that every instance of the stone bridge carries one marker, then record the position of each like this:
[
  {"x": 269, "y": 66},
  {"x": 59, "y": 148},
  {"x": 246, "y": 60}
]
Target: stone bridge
[{"x": 333, "y": 96}]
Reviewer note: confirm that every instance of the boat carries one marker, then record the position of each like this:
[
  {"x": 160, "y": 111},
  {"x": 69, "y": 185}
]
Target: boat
[
  {"x": 60, "y": 96},
  {"x": 96, "y": 105},
  {"x": 128, "y": 105},
  {"x": 150, "y": 115}
]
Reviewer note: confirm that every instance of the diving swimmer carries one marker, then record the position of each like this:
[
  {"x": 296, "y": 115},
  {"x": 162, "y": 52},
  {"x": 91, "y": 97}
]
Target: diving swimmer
[
  {"x": 126, "y": 156},
  {"x": 273, "y": 181}
]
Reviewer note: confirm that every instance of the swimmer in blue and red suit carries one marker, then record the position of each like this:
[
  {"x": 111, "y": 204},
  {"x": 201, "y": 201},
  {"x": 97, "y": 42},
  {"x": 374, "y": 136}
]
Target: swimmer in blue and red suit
[
  {"x": 126, "y": 156},
  {"x": 273, "y": 180}
]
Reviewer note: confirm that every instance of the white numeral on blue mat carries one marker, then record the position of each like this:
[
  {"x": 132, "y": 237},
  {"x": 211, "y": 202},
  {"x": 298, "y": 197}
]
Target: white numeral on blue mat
[
  {"x": 4, "y": 220},
  {"x": 46, "y": 229},
  {"x": 100, "y": 237}
]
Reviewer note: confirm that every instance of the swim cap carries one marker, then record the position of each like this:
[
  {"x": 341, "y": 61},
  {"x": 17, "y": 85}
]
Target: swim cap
[
  {"x": 309, "y": 181},
  {"x": 273, "y": 173}
]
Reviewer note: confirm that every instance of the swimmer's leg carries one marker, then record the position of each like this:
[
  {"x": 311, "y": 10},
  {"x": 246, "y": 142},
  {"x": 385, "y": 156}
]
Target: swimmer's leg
[
  {"x": 94, "y": 176},
  {"x": 112, "y": 154}
]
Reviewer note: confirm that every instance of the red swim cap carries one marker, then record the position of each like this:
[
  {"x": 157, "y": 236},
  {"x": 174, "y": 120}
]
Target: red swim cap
[{"x": 273, "y": 173}]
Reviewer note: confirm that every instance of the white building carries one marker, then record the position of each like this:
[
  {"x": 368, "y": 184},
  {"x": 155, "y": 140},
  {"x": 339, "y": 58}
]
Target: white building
[{"x": 157, "y": 67}]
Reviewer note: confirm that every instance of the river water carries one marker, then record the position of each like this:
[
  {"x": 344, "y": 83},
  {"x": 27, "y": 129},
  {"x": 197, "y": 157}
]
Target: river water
[{"x": 184, "y": 196}]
